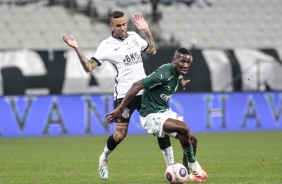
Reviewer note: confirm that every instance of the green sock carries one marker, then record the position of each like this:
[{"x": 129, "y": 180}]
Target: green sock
[
  {"x": 188, "y": 151},
  {"x": 185, "y": 163}
]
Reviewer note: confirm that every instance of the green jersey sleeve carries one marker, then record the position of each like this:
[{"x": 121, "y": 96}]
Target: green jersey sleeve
[{"x": 158, "y": 78}]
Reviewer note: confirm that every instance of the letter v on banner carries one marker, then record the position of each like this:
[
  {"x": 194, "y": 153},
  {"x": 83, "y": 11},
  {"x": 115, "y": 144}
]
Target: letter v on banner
[
  {"x": 12, "y": 101},
  {"x": 212, "y": 112},
  {"x": 276, "y": 113}
]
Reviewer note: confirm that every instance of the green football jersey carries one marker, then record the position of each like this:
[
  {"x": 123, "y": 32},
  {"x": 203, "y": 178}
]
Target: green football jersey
[{"x": 158, "y": 88}]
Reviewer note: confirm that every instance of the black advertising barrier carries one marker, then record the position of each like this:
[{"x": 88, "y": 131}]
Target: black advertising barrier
[
  {"x": 213, "y": 70},
  {"x": 15, "y": 82}
]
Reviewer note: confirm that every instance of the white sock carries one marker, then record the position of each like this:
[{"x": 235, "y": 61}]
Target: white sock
[
  {"x": 168, "y": 155},
  {"x": 105, "y": 153}
]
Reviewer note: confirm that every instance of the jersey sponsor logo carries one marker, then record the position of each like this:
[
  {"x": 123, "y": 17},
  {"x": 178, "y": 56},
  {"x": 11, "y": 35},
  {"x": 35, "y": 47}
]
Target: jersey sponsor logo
[
  {"x": 125, "y": 113},
  {"x": 117, "y": 48},
  {"x": 161, "y": 76},
  {"x": 165, "y": 97},
  {"x": 131, "y": 59}
]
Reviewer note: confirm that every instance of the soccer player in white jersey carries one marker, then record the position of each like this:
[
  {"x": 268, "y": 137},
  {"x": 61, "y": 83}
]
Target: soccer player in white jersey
[
  {"x": 123, "y": 49},
  {"x": 156, "y": 116}
]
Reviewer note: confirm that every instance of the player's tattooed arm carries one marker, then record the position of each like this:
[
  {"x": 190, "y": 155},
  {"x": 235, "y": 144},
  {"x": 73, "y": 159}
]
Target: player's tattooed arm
[
  {"x": 88, "y": 65},
  {"x": 149, "y": 38},
  {"x": 141, "y": 24}
]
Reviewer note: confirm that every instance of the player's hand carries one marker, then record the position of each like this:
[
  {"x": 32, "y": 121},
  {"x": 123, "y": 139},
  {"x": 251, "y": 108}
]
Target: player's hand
[
  {"x": 139, "y": 21},
  {"x": 183, "y": 83},
  {"x": 114, "y": 115},
  {"x": 72, "y": 42}
]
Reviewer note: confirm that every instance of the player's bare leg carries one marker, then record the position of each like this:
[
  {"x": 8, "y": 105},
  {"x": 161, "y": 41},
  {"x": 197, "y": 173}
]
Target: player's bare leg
[
  {"x": 194, "y": 142},
  {"x": 183, "y": 134},
  {"x": 119, "y": 134},
  {"x": 198, "y": 174},
  {"x": 191, "y": 176}
]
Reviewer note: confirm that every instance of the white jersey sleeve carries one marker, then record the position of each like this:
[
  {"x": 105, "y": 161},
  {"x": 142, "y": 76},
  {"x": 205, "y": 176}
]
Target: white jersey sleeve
[
  {"x": 101, "y": 53},
  {"x": 144, "y": 44}
]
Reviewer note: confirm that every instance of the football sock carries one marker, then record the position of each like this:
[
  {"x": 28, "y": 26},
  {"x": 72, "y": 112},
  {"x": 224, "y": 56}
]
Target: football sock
[
  {"x": 188, "y": 151},
  {"x": 111, "y": 143},
  {"x": 168, "y": 155},
  {"x": 185, "y": 163},
  {"x": 164, "y": 142},
  {"x": 110, "y": 146},
  {"x": 105, "y": 153}
]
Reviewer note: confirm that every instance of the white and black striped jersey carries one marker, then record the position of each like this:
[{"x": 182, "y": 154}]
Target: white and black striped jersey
[{"x": 125, "y": 55}]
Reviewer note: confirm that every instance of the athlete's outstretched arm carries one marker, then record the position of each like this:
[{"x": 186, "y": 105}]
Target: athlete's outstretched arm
[
  {"x": 183, "y": 83},
  {"x": 88, "y": 65},
  {"x": 116, "y": 113},
  {"x": 141, "y": 24}
]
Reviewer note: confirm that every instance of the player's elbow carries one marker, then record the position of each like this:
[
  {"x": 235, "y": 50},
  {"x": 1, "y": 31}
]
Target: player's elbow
[
  {"x": 153, "y": 51},
  {"x": 88, "y": 69},
  {"x": 138, "y": 85}
]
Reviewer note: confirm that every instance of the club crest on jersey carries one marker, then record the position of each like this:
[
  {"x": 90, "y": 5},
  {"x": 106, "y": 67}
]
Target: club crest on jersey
[
  {"x": 135, "y": 42},
  {"x": 157, "y": 121},
  {"x": 165, "y": 97},
  {"x": 125, "y": 113}
]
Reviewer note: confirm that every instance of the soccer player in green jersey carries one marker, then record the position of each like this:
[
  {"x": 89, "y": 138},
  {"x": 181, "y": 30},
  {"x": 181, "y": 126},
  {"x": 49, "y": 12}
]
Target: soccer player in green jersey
[
  {"x": 123, "y": 49},
  {"x": 156, "y": 116}
]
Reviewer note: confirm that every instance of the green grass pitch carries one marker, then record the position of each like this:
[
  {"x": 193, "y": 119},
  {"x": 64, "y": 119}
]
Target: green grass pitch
[{"x": 245, "y": 157}]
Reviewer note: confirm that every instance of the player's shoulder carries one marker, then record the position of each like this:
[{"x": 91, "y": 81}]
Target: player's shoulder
[
  {"x": 165, "y": 69},
  {"x": 132, "y": 33},
  {"x": 167, "y": 66},
  {"x": 108, "y": 41}
]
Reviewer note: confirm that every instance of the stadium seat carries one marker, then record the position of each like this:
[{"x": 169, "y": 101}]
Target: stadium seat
[{"x": 230, "y": 24}]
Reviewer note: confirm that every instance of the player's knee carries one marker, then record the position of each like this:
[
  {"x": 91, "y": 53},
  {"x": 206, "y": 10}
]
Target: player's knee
[
  {"x": 120, "y": 131},
  {"x": 184, "y": 129},
  {"x": 119, "y": 137}
]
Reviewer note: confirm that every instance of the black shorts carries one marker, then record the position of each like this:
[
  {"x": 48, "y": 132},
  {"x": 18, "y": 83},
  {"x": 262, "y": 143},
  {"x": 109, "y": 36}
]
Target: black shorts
[{"x": 135, "y": 103}]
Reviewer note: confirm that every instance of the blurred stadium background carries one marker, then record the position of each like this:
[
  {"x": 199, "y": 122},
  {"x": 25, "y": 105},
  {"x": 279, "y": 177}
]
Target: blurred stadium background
[
  {"x": 236, "y": 46},
  {"x": 38, "y": 24}
]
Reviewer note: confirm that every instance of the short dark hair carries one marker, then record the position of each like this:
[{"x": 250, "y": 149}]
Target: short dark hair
[
  {"x": 116, "y": 14},
  {"x": 183, "y": 51}
]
